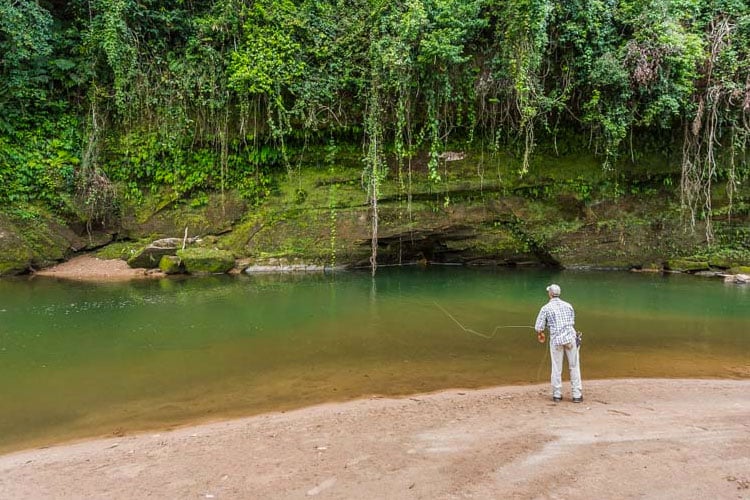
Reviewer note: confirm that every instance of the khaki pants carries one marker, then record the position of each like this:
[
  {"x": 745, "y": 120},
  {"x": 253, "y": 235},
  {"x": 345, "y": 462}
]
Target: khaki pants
[{"x": 556, "y": 355}]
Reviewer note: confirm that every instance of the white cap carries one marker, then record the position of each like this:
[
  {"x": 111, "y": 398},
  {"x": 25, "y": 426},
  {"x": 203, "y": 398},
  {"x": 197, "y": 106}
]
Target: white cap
[{"x": 554, "y": 290}]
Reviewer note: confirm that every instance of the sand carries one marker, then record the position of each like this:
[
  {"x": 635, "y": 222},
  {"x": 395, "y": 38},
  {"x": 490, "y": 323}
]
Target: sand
[
  {"x": 89, "y": 268},
  {"x": 630, "y": 438}
]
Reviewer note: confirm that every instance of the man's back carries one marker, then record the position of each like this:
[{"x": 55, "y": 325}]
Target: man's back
[{"x": 559, "y": 316}]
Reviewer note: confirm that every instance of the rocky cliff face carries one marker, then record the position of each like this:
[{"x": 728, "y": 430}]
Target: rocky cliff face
[
  {"x": 37, "y": 240},
  {"x": 478, "y": 214}
]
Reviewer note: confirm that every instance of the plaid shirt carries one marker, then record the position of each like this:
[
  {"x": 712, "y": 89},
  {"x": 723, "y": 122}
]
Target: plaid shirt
[{"x": 561, "y": 319}]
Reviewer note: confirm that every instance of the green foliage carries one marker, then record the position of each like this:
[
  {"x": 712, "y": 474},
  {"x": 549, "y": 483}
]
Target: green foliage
[
  {"x": 148, "y": 163},
  {"x": 662, "y": 56},
  {"x": 184, "y": 98},
  {"x": 25, "y": 48},
  {"x": 270, "y": 56},
  {"x": 38, "y": 166}
]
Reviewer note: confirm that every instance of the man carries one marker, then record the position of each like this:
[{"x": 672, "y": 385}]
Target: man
[{"x": 559, "y": 316}]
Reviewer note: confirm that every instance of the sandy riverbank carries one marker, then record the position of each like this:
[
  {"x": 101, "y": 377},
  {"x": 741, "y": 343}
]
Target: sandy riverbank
[
  {"x": 629, "y": 439},
  {"x": 90, "y": 268}
]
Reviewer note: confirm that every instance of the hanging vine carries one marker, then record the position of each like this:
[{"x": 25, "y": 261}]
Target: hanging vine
[
  {"x": 375, "y": 166},
  {"x": 95, "y": 194},
  {"x": 721, "y": 124},
  {"x": 330, "y": 159},
  {"x": 525, "y": 37}
]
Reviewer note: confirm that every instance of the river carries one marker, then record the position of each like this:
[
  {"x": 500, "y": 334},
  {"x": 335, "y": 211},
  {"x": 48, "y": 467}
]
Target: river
[{"x": 81, "y": 359}]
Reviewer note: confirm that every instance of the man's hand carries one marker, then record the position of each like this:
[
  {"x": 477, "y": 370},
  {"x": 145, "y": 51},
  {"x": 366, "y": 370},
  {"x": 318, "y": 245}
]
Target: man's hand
[{"x": 540, "y": 337}]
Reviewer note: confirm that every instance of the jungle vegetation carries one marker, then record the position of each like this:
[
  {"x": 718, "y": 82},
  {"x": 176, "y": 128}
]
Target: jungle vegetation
[{"x": 104, "y": 100}]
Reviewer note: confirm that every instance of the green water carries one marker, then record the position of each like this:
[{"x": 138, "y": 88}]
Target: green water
[{"x": 80, "y": 360}]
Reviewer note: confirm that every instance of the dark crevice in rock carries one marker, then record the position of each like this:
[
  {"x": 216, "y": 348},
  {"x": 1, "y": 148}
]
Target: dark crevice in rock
[{"x": 435, "y": 246}]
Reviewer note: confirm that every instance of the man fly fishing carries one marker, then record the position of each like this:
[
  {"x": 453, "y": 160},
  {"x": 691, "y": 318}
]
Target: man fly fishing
[{"x": 559, "y": 317}]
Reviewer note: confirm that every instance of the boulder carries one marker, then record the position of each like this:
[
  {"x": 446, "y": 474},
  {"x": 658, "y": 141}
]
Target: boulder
[
  {"x": 686, "y": 266},
  {"x": 92, "y": 240},
  {"x": 171, "y": 264},
  {"x": 740, "y": 279},
  {"x": 150, "y": 256},
  {"x": 730, "y": 259},
  {"x": 206, "y": 260},
  {"x": 16, "y": 256},
  {"x": 32, "y": 242}
]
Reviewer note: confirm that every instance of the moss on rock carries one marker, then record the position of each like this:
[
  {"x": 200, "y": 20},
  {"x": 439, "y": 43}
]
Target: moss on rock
[
  {"x": 157, "y": 219},
  {"x": 123, "y": 250},
  {"x": 34, "y": 240},
  {"x": 15, "y": 255},
  {"x": 687, "y": 266},
  {"x": 206, "y": 260},
  {"x": 170, "y": 264},
  {"x": 566, "y": 211},
  {"x": 726, "y": 259},
  {"x": 49, "y": 241}
]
